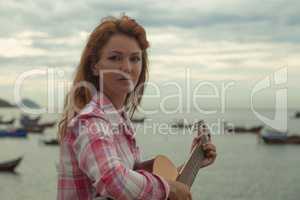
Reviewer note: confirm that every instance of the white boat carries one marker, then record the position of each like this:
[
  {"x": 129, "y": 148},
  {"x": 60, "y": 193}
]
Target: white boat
[{"x": 273, "y": 134}]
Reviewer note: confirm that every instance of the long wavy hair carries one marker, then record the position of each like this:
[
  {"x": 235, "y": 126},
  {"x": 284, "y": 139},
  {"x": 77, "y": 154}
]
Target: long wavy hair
[{"x": 80, "y": 93}]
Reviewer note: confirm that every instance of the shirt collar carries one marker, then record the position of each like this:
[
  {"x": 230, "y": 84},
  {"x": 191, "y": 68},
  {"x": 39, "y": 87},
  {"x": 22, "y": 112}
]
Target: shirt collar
[{"x": 116, "y": 117}]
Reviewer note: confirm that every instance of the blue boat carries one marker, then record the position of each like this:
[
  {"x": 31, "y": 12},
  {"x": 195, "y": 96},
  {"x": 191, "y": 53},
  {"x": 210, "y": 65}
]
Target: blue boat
[
  {"x": 270, "y": 136},
  {"x": 13, "y": 133}
]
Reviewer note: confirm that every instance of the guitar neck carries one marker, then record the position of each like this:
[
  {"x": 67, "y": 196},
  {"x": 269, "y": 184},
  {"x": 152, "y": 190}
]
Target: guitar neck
[{"x": 191, "y": 167}]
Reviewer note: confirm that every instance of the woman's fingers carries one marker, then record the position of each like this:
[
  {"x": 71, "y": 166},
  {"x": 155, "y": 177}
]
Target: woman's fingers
[
  {"x": 206, "y": 162},
  {"x": 197, "y": 140},
  {"x": 209, "y": 147},
  {"x": 211, "y": 154},
  {"x": 202, "y": 128}
]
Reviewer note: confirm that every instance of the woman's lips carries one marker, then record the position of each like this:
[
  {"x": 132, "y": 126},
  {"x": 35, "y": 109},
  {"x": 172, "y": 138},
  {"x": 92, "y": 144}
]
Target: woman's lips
[{"x": 124, "y": 79}]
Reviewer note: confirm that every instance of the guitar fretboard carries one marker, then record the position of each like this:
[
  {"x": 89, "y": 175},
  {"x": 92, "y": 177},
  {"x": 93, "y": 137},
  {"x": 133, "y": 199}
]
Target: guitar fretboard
[{"x": 190, "y": 169}]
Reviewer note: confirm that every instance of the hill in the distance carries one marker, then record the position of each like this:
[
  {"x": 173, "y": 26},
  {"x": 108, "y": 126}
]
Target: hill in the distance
[
  {"x": 30, "y": 104},
  {"x": 5, "y": 104},
  {"x": 25, "y": 101}
]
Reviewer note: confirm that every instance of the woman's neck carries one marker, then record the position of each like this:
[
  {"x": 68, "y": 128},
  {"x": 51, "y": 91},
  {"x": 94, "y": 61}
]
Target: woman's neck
[{"x": 117, "y": 100}]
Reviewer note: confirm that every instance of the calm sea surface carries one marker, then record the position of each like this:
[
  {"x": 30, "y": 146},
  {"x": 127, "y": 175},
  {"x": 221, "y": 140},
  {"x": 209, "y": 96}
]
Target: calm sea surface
[{"x": 246, "y": 168}]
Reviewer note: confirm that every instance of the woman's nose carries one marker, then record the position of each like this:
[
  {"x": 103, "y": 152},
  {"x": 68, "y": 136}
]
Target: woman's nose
[{"x": 126, "y": 66}]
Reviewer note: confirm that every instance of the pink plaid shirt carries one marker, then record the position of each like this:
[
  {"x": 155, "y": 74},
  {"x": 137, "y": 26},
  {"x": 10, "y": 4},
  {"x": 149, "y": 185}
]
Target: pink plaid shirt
[{"x": 97, "y": 157}]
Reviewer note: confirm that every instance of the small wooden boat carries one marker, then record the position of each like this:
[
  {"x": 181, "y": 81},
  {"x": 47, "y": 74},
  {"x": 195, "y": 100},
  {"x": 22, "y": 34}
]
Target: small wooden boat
[
  {"x": 39, "y": 128},
  {"x": 8, "y": 122},
  {"x": 53, "y": 142},
  {"x": 47, "y": 124},
  {"x": 13, "y": 133},
  {"x": 293, "y": 139},
  {"x": 241, "y": 129},
  {"x": 26, "y": 120},
  {"x": 34, "y": 129},
  {"x": 10, "y": 165},
  {"x": 277, "y": 137},
  {"x": 181, "y": 124},
  {"x": 138, "y": 120}
]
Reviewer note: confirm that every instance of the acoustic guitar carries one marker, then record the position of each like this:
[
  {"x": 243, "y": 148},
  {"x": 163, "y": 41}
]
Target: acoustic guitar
[{"x": 164, "y": 167}]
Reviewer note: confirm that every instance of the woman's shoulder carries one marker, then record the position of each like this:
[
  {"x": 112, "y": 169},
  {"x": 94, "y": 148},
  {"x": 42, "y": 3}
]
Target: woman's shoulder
[
  {"x": 89, "y": 112},
  {"x": 90, "y": 121}
]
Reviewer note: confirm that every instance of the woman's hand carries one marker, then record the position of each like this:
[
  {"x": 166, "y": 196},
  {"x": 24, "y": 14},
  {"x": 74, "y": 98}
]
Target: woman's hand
[
  {"x": 209, "y": 148},
  {"x": 179, "y": 191}
]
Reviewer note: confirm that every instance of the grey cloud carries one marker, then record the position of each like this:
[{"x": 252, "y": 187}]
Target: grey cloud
[
  {"x": 50, "y": 45},
  {"x": 30, "y": 62},
  {"x": 60, "y": 18},
  {"x": 253, "y": 21}
]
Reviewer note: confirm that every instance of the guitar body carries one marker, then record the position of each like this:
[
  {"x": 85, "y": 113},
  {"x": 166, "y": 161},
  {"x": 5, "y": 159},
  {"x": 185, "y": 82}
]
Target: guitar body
[{"x": 161, "y": 166}]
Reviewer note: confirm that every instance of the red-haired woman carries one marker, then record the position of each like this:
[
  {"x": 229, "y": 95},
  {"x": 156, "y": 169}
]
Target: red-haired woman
[{"x": 98, "y": 150}]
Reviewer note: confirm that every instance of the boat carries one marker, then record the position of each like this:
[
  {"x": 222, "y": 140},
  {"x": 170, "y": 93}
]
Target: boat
[
  {"x": 47, "y": 124},
  {"x": 241, "y": 129},
  {"x": 53, "y": 142},
  {"x": 138, "y": 120},
  {"x": 297, "y": 114},
  {"x": 26, "y": 120},
  {"x": 34, "y": 129},
  {"x": 273, "y": 134},
  {"x": 8, "y": 122},
  {"x": 13, "y": 133},
  {"x": 182, "y": 123},
  {"x": 10, "y": 165},
  {"x": 278, "y": 137},
  {"x": 38, "y": 128},
  {"x": 293, "y": 139}
]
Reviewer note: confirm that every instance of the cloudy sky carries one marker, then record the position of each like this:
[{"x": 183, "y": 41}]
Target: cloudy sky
[{"x": 214, "y": 42}]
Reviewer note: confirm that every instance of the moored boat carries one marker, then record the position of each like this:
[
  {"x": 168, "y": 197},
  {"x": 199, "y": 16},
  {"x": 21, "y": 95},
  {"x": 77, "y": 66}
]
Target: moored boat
[
  {"x": 10, "y": 165},
  {"x": 26, "y": 120},
  {"x": 138, "y": 120},
  {"x": 276, "y": 137},
  {"x": 182, "y": 123},
  {"x": 52, "y": 142},
  {"x": 13, "y": 133},
  {"x": 230, "y": 127},
  {"x": 7, "y": 122},
  {"x": 39, "y": 128},
  {"x": 241, "y": 129}
]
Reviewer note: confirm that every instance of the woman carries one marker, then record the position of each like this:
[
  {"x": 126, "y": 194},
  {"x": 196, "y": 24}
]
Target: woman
[{"x": 98, "y": 150}]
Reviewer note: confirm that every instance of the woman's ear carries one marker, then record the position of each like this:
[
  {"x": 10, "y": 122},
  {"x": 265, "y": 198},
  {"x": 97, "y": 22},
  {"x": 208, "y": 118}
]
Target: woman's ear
[{"x": 95, "y": 69}]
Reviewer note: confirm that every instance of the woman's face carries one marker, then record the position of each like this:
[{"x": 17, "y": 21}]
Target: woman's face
[{"x": 120, "y": 65}]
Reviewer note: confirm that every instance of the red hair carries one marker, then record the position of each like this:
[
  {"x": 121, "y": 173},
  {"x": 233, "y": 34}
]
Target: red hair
[{"x": 80, "y": 94}]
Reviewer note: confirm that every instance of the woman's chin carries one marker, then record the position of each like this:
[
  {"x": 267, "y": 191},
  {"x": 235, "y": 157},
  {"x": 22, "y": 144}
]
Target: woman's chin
[
  {"x": 125, "y": 89},
  {"x": 126, "y": 86}
]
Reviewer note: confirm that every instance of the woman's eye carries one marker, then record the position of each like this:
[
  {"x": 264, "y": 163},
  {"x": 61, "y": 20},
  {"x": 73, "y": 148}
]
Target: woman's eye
[
  {"x": 135, "y": 59},
  {"x": 114, "y": 58}
]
